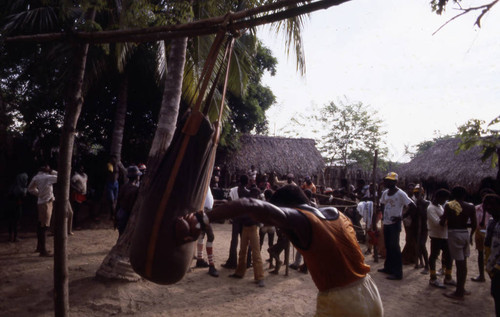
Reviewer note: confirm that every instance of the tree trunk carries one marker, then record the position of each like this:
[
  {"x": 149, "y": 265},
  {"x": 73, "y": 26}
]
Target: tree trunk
[
  {"x": 116, "y": 265},
  {"x": 119, "y": 126},
  {"x": 4, "y": 151},
  {"x": 120, "y": 114},
  {"x": 74, "y": 101}
]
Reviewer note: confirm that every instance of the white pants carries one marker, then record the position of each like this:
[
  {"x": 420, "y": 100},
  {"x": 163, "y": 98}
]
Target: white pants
[{"x": 360, "y": 298}]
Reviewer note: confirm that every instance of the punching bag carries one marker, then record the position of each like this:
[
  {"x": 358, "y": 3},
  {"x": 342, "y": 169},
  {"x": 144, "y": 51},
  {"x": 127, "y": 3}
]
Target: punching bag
[{"x": 177, "y": 188}]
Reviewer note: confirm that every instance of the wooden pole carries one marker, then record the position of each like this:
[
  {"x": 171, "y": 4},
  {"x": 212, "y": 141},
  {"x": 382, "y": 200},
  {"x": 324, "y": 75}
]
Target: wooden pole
[
  {"x": 374, "y": 182},
  {"x": 375, "y": 203}
]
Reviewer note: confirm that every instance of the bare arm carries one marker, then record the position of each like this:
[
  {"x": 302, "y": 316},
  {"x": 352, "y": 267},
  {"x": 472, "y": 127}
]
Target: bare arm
[
  {"x": 295, "y": 225},
  {"x": 259, "y": 210},
  {"x": 473, "y": 221},
  {"x": 33, "y": 189},
  {"x": 444, "y": 217}
]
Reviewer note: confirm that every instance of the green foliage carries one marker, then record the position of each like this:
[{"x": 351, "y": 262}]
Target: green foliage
[
  {"x": 175, "y": 12},
  {"x": 35, "y": 94},
  {"x": 476, "y": 133},
  {"x": 247, "y": 111},
  {"x": 350, "y": 127}
]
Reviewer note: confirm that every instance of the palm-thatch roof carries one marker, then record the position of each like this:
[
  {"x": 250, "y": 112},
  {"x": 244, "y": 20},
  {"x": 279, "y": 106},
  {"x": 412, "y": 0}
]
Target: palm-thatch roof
[
  {"x": 441, "y": 165},
  {"x": 278, "y": 154}
]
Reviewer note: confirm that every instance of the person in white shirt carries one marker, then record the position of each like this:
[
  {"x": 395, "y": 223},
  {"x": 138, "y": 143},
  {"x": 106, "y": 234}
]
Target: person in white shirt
[
  {"x": 252, "y": 174},
  {"x": 78, "y": 195},
  {"x": 41, "y": 187},
  {"x": 392, "y": 201},
  {"x": 439, "y": 238}
]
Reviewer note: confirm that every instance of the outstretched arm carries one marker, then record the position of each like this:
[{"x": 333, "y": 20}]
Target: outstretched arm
[
  {"x": 291, "y": 221},
  {"x": 295, "y": 225},
  {"x": 259, "y": 210}
]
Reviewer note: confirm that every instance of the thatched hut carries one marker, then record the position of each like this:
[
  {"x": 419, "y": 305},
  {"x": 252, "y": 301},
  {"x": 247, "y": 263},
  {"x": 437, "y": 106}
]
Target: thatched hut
[
  {"x": 274, "y": 154},
  {"x": 439, "y": 166}
]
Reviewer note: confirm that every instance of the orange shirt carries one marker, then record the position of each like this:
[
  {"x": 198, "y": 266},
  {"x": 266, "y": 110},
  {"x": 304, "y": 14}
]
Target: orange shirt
[
  {"x": 334, "y": 257},
  {"x": 311, "y": 187}
]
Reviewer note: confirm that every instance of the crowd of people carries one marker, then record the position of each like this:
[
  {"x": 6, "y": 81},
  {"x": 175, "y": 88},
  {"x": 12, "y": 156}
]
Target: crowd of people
[
  {"x": 263, "y": 205},
  {"x": 116, "y": 201},
  {"x": 451, "y": 224},
  {"x": 324, "y": 237}
]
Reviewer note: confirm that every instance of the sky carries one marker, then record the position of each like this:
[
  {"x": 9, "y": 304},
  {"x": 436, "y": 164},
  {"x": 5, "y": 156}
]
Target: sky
[{"x": 383, "y": 53}]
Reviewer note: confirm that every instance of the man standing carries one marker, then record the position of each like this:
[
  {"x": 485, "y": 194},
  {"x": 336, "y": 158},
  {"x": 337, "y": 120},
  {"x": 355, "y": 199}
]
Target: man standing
[
  {"x": 252, "y": 174},
  {"x": 439, "y": 238},
  {"x": 392, "y": 201},
  {"x": 236, "y": 192},
  {"x": 250, "y": 239},
  {"x": 421, "y": 255},
  {"x": 41, "y": 187},
  {"x": 111, "y": 186},
  {"x": 482, "y": 220},
  {"x": 491, "y": 203},
  {"x": 78, "y": 190},
  {"x": 126, "y": 198},
  {"x": 308, "y": 184},
  {"x": 456, "y": 214}
]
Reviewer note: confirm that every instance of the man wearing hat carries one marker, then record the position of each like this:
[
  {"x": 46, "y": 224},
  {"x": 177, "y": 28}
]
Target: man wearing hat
[
  {"x": 392, "y": 202},
  {"x": 126, "y": 198}
]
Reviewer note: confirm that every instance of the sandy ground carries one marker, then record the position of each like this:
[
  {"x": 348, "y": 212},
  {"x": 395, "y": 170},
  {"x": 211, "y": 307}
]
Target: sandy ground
[{"x": 27, "y": 282}]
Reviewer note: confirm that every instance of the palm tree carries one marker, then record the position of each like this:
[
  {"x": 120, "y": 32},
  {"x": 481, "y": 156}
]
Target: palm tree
[{"x": 116, "y": 263}]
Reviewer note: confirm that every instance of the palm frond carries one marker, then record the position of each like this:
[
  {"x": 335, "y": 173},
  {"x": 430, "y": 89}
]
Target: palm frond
[
  {"x": 161, "y": 61},
  {"x": 36, "y": 20}
]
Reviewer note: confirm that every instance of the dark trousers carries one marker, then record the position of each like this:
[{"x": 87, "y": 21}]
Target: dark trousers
[
  {"x": 495, "y": 292},
  {"x": 233, "y": 247},
  {"x": 236, "y": 229},
  {"x": 393, "y": 262},
  {"x": 41, "y": 232},
  {"x": 438, "y": 245},
  {"x": 13, "y": 217}
]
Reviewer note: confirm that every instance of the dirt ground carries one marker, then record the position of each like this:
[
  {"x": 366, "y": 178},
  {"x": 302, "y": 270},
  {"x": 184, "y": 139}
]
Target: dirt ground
[{"x": 27, "y": 286}]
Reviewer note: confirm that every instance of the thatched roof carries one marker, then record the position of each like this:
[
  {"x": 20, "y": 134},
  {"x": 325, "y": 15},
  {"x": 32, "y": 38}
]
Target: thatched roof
[
  {"x": 278, "y": 154},
  {"x": 440, "y": 164}
]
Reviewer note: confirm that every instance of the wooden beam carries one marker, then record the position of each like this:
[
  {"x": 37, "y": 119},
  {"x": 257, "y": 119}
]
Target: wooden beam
[{"x": 232, "y": 21}]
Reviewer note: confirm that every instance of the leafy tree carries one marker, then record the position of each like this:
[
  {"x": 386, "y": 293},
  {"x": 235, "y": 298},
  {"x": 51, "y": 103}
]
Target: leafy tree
[
  {"x": 247, "y": 111},
  {"x": 477, "y": 133},
  {"x": 168, "y": 114},
  {"x": 350, "y": 128}
]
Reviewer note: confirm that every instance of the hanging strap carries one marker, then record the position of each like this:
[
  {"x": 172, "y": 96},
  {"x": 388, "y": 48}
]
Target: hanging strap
[{"x": 228, "y": 54}]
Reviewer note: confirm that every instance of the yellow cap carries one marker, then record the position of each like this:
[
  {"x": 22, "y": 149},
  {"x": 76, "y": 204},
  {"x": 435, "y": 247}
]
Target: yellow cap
[{"x": 391, "y": 176}]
